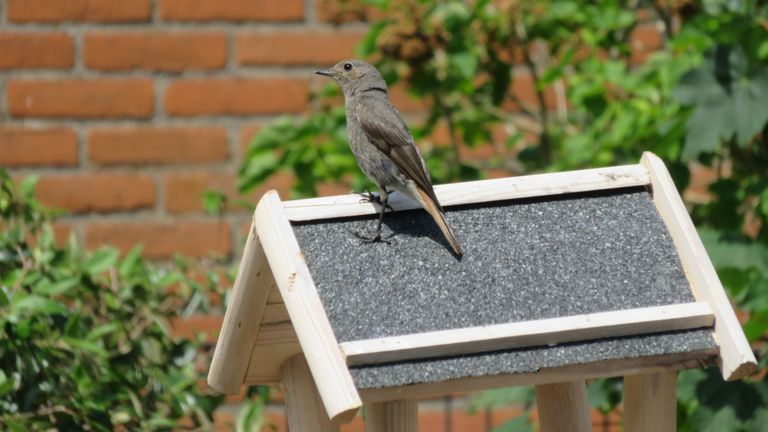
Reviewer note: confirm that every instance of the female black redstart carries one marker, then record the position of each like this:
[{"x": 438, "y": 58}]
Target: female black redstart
[{"x": 382, "y": 143}]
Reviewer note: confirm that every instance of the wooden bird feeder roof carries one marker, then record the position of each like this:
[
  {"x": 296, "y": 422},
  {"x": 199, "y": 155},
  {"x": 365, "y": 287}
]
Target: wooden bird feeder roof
[{"x": 566, "y": 276}]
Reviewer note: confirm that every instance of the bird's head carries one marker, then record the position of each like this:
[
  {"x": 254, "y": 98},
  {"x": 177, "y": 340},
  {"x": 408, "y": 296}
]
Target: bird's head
[{"x": 354, "y": 76}]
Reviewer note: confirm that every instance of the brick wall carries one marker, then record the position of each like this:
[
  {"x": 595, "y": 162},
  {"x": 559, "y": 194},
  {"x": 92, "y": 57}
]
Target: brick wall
[{"x": 129, "y": 109}]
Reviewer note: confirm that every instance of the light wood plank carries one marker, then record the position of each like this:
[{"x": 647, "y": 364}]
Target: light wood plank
[
  {"x": 394, "y": 416},
  {"x": 275, "y": 313},
  {"x": 736, "y": 358},
  {"x": 563, "y": 407},
  {"x": 603, "y": 369},
  {"x": 529, "y": 333},
  {"x": 649, "y": 402},
  {"x": 274, "y": 295},
  {"x": 242, "y": 319},
  {"x": 477, "y": 192},
  {"x": 304, "y": 409},
  {"x": 266, "y": 361},
  {"x": 308, "y": 317}
]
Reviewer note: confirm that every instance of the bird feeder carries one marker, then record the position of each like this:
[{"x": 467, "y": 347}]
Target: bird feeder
[{"x": 566, "y": 277}]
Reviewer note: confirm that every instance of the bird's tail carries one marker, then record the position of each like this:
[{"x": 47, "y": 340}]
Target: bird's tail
[{"x": 437, "y": 214}]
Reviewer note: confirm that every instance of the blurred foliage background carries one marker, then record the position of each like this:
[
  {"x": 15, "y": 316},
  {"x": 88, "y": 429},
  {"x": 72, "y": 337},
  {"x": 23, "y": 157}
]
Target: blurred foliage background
[
  {"x": 700, "y": 102},
  {"x": 84, "y": 336}
]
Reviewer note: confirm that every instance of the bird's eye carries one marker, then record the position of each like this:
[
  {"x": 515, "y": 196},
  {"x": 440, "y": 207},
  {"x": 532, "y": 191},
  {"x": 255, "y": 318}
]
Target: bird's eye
[{"x": 347, "y": 67}]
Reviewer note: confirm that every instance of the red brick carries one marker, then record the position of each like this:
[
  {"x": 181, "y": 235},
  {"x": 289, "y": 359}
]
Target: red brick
[
  {"x": 195, "y": 325},
  {"x": 163, "y": 239},
  {"x": 73, "y": 98},
  {"x": 172, "y": 52},
  {"x": 346, "y": 11},
  {"x": 38, "y": 147},
  {"x": 145, "y": 145},
  {"x": 356, "y": 425},
  {"x": 184, "y": 191},
  {"x": 644, "y": 39},
  {"x": 80, "y": 193},
  {"x": 53, "y": 11},
  {"x": 329, "y": 189},
  {"x": 524, "y": 89},
  {"x": 36, "y": 50},
  {"x": 698, "y": 187},
  {"x": 236, "y": 96},
  {"x": 231, "y": 10},
  {"x": 296, "y": 48},
  {"x": 404, "y": 102}
]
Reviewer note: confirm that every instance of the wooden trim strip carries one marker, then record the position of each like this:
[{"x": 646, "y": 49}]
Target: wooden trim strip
[
  {"x": 477, "y": 192},
  {"x": 242, "y": 319},
  {"x": 307, "y": 314},
  {"x": 529, "y": 333},
  {"x": 736, "y": 359}
]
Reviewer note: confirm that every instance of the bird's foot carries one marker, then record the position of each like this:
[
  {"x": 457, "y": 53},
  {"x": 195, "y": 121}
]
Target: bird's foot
[
  {"x": 369, "y": 197},
  {"x": 374, "y": 237}
]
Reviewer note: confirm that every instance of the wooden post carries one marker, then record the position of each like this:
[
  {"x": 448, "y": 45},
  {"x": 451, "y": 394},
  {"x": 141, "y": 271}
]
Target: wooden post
[
  {"x": 304, "y": 408},
  {"x": 393, "y": 416},
  {"x": 563, "y": 407},
  {"x": 649, "y": 402}
]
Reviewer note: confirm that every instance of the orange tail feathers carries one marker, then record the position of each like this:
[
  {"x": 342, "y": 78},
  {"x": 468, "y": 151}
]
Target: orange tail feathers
[{"x": 439, "y": 217}]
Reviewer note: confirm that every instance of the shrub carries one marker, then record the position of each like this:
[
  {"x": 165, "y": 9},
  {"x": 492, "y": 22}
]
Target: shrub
[{"x": 84, "y": 336}]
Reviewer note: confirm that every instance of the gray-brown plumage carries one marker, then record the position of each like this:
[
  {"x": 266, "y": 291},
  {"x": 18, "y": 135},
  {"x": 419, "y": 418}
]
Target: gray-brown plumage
[{"x": 382, "y": 143}]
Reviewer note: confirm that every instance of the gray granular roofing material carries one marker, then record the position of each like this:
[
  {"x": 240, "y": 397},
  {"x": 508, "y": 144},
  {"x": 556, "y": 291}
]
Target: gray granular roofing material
[
  {"x": 530, "y": 360},
  {"x": 524, "y": 259}
]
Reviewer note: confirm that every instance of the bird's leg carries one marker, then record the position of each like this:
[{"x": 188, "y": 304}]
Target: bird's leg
[{"x": 381, "y": 200}]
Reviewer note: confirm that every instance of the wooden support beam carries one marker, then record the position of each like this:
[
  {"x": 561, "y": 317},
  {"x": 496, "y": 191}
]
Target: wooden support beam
[
  {"x": 649, "y": 402},
  {"x": 529, "y": 333},
  {"x": 477, "y": 192},
  {"x": 306, "y": 311},
  {"x": 563, "y": 407},
  {"x": 393, "y": 416},
  {"x": 736, "y": 359},
  {"x": 304, "y": 409},
  {"x": 242, "y": 319}
]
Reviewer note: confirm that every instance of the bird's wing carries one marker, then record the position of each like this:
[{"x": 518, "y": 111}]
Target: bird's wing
[{"x": 386, "y": 130}]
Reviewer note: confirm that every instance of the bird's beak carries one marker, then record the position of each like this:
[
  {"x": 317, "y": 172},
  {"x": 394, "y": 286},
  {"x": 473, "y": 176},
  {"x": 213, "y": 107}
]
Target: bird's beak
[{"x": 326, "y": 72}]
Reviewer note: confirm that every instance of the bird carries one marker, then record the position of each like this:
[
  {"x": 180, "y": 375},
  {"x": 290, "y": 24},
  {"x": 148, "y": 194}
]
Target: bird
[{"x": 383, "y": 145}]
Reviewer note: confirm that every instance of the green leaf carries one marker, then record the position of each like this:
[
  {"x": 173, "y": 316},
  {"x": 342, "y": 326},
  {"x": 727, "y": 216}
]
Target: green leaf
[
  {"x": 732, "y": 253},
  {"x": 251, "y": 417},
  {"x": 256, "y": 169},
  {"x": 100, "y": 261},
  {"x": 37, "y": 305},
  {"x": 91, "y": 347},
  {"x": 131, "y": 262},
  {"x": 51, "y": 289},
  {"x": 520, "y": 424},
  {"x": 6, "y": 383},
  {"x": 367, "y": 46},
  {"x": 214, "y": 201},
  {"x": 102, "y": 330},
  {"x": 728, "y": 96}
]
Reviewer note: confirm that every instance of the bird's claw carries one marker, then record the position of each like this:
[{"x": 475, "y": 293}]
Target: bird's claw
[
  {"x": 374, "y": 238},
  {"x": 369, "y": 197}
]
